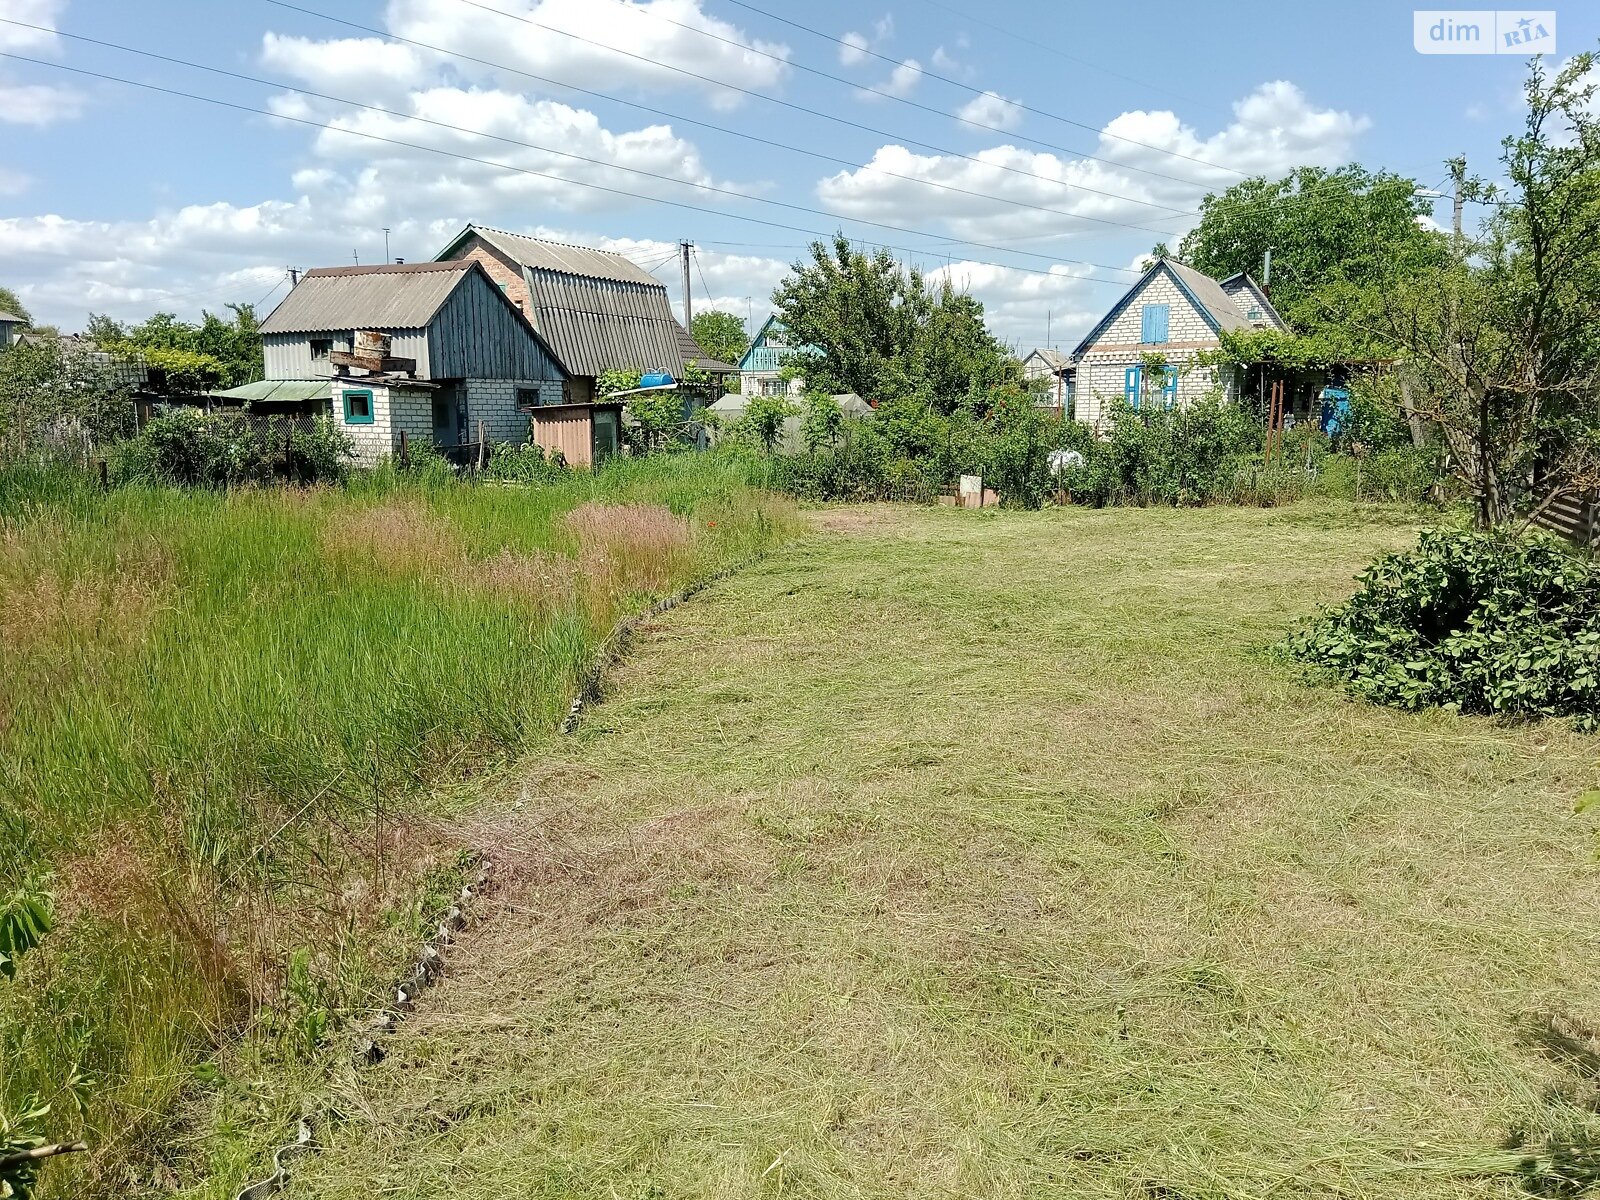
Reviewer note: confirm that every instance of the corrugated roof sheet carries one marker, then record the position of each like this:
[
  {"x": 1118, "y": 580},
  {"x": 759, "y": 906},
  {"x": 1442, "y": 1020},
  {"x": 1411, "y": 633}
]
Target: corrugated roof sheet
[
  {"x": 279, "y": 391},
  {"x": 1209, "y": 293},
  {"x": 11, "y": 318},
  {"x": 544, "y": 255},
  {"x": 1054, "y": 358},
  {"x": 400, "y": 296}
]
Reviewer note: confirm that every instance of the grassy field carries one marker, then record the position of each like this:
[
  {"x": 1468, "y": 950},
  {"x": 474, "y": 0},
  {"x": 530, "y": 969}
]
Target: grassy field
[
  {"x": 987, "y": 854},
  {"x": 229, "y": 723}
]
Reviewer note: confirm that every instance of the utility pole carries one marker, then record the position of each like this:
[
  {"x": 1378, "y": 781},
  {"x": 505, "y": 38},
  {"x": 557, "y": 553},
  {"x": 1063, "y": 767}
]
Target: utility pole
[
  {"x": 356, "y": 256},
  {"x": 386, "y": 256},
  {"x": 294, "y": 277},
  {"x": 1458, "y": 172},
  {"x": 1266, "y": 274},
  {"x": 1048, "y": 313},
  {"x": 688, "y": 301}
]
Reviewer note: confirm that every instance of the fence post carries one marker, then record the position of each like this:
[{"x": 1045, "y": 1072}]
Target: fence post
[
  {"x": 483, "y": 447},
  {"x": 105, "y": 482},
  {"x": 405, "y": 451}
]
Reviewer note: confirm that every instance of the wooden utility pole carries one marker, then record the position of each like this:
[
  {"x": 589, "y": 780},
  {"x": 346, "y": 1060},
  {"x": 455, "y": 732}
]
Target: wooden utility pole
[
  {"x": 685, "y": 248},
  {"x": 1458, "y": 173}
]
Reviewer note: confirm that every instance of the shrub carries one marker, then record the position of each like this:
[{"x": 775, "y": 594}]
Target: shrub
[
  {"x": 190, "y": 448},
  {"x": 1473, "y": 622},
  {"x": 525, "y": 463}
]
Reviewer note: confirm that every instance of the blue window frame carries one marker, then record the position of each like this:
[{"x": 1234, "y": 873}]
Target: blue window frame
[
  {"x": 358, "y": 408},
  {"x": 1154, "y": 319},
  {"x": 1130, "y": 385},
  {"x": 1169, "y": 387}
]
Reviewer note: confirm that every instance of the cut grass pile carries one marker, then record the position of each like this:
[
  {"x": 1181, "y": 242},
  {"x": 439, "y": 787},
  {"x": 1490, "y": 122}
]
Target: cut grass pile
[
  {"x": 986, "y": 854},
  {"x": 226, "y": 722}
]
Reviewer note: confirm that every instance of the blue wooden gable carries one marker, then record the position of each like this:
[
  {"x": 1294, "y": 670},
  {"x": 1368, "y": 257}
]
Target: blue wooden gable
[{"x": 769, "y": 346}]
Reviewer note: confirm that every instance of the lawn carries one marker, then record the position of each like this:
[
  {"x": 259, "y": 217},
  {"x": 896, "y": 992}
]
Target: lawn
[{"x": 988, "y": 854}]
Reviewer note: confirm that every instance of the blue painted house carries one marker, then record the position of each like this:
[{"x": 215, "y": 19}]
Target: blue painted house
[{"x": 759, "y": 368}]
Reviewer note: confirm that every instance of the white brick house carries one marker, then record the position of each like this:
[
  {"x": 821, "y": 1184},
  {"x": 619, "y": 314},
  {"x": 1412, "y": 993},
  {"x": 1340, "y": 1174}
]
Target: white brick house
[
  {"x": 477, "y": 361},
  {"x": 1174, "y": 311}
]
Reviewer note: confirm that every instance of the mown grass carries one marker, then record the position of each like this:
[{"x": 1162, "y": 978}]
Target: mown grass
[
  {"x": 988, "y": 854},
  {"x": 228, "y": 724}
]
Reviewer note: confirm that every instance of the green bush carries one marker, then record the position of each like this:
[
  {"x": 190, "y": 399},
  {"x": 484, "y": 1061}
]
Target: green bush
[
  {"x": 1474, "y": 622},
  {"x": 190, "y": 448},
  {"x": 525, "y": 463},
  {"x": 1192, "y": 455}
]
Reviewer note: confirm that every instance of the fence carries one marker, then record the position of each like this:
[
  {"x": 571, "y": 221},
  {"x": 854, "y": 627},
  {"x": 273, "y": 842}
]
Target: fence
[{"x": 1576, "y": 518}]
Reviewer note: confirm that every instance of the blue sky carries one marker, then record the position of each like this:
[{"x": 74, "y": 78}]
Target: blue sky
[{"x": 127, "y": 201}]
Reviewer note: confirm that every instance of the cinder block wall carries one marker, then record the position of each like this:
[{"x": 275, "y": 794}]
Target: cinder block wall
[
  {"x": 393, "y": 409},
  {"x": 494, "y": 402}
]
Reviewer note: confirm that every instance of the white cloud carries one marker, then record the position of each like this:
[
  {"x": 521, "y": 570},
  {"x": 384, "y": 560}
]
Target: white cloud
[
  {"x": 853, "y": 49},
  {"x": 13, "y": 182},
  {"x": 373, "y": 70},
  {"x": 43, "y": 13},
  {"x": 883, "y": 28},
  {"x": 902, "y": 82},
  {"x": 635, "y": 44},
  {"x": 38, "y": 104},
  {"x": 1275, "y": 128},
  {"x": 945, "y": 61},
  {"x": 35, "y": 104},
  {"x": 1022, "y": 308},
  {"x": 992, "y": 109}
]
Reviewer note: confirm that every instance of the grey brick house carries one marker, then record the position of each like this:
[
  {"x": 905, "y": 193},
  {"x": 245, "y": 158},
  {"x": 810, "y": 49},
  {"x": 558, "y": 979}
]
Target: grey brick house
[
  {"x": 1172, "y": 310},
  {"x": 463, "y": 354}
]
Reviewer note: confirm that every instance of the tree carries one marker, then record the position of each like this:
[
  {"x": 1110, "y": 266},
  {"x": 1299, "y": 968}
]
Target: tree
[
  {"x": 9, "y": 303},
  {"x": 720, "y": 334},
  {"x": 1324, "y": 228},
  {"x": 883, "y": 332},
  {"x": 58, "y": 397},
  {"x": 230, "y": 350},
  {"x": 822, "y": 424},
  {"x": 1502, "y": 340},
  {"x": 763, "y": 420}
]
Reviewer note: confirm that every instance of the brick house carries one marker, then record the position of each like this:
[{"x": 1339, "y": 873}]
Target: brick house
[
  {"x": 760, "y": 370},
  {"x": 1175, "y": 311},
  {"x": 460, "y": 357}
]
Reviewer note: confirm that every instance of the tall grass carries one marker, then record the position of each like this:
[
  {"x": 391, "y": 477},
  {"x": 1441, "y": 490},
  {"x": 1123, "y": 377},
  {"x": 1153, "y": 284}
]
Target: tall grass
[{"x": 221, "y": 717}]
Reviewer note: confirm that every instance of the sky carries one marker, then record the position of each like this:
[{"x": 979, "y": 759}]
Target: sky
[{"x": 1030, "y": 152}]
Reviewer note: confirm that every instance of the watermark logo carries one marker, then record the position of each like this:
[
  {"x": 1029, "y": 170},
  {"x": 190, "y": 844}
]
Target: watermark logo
[{"x": 1483, "y": 31}]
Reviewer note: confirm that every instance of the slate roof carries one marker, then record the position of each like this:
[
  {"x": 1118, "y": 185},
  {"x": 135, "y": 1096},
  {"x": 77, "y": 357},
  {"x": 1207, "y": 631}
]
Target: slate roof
[
  {"x": 11, "y": 319},
  {"x": 1207, "y": 295},
  {"x": 1057, "y": 360},
  {"x": 690, "y": 349},
  {"x": 561, "y": 257},
  {"x": 397, "y": 296}
]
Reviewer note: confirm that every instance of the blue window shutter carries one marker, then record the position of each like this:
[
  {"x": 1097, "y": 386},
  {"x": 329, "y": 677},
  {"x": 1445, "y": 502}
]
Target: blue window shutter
[
  {"x": 1169, "y": 390},
  {"x": 1130, "y": 386},
  {"x": 1153, "y": 323}
]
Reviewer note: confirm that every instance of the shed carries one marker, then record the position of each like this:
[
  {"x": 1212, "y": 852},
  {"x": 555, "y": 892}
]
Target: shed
[
  {"x": 10, "y": 325},
  {"x": 583, "y": 434}
]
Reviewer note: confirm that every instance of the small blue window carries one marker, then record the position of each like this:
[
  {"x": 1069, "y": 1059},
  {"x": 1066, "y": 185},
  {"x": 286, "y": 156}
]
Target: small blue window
[
  {"x": 1169, "y": 389},
  {"x": 1130, "y": 386},
  {"x": 1153, "y": 325},
  {"x": 358, "y": 408}
]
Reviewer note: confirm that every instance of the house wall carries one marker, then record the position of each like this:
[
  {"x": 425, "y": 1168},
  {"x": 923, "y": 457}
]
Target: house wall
[
  {"x": 288, "y": 355},
  {"x": 503, "y": 270},
  {"x": 393, "y": 409},
  {"x": 494, "y": 402},
  {"x": 1248, "y": 297},
  {"x": 750, "y": 383},
  {"x": 1102, "y": 366},
  {"x": 477, "y": 335}
]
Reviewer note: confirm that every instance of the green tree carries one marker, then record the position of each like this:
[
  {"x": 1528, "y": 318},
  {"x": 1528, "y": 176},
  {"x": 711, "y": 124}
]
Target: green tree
[
  {"x": 1501, "y": 342},
  {"x": 231, "y": 347},
  {"x": 882, "y": 331},
  {"x": 11, "y": 304},
  {"x": 1324, "y": 228},
  {"x": 822, "y": 424},
  {"x": 720, "y": 334},
  {"x": 763, "y": 420}
]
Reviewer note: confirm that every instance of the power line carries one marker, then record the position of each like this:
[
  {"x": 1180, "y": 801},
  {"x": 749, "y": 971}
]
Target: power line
[
  {"x": 615, "y": 191},
  {"x": 788, "y": 104},
  {"x": 1098, "y": 131},
  {"x": 938, "y": 112},
  {"x": 1034, "y": 43},
  {"x": 1264, "y": 201},
  {"x": 652, "y": 175},
  {"x": 704, "y": 286},
  {"x": 844, "y": 162},
  {"x": 275, "y": 287}
]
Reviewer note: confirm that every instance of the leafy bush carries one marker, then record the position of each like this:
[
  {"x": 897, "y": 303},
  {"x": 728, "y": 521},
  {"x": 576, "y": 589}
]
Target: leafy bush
[
  {"x": 1474, "y": 622},
  {"x": 525, "y": 463},
  {"x": 190, "y": 448}
]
